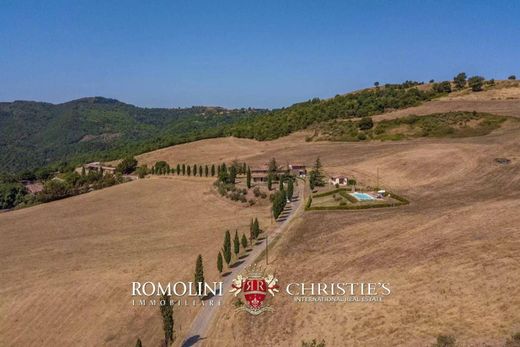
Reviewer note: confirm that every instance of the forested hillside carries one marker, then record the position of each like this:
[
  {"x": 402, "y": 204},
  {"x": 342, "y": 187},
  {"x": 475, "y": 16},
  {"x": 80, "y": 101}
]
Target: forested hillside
[{"x": 35, "y": 134}]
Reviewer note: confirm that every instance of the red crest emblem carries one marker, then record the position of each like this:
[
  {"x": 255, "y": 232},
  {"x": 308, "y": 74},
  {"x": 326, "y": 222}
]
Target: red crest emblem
[{"x": 256, "y": 286}]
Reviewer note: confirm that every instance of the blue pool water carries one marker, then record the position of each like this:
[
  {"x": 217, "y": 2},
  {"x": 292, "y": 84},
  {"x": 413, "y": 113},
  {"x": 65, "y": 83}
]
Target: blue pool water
[{"x": 362, "y": 196}]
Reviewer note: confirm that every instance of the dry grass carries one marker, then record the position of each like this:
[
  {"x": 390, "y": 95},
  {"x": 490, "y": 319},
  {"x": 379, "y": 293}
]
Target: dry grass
[{"x": 68, "y": 265}]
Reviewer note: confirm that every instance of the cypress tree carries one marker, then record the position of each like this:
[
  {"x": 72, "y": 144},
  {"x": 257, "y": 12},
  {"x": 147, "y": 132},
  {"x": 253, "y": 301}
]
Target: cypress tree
[
  {"x": 199, "y": 275},
  {"x": 168, "y": 322},
  {"x": 269, "y": 182},
  {"x": 227, "y": 248},
  {"x": 183, "y": 169},
  {"x": 206, "y": 171},
  {"x": 281, "y": 184},
  {"x": 248, "y": 180},
  {"x": 195, "y": 170},
  {"x": 244, "y": 167},
  {"x": 251, "y": 232},
  {"x": 256, "y": 228},
  {"x": 178, "y": 169},
  {"x": 219, "y": 263},
  {"x": 236, "y": 243},
  {"x": 232, "y": 174},
  {"x": 200, "y": 171},
  {"x": 153, "y": 170},
  {"x": 290, "y": 189},
  {"x": 188, "y": 169},
  {"x": 218, "y": 170},
  {"x": 212, "y": 170},
  {"x": 83, "y": 172},
  {"x": 244, "y": 241},
  {"x": 138, "y": 343}
]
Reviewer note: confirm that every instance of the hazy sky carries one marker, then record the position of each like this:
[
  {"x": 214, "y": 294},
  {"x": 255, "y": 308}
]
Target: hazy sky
[{"x": 245, "y": 53}]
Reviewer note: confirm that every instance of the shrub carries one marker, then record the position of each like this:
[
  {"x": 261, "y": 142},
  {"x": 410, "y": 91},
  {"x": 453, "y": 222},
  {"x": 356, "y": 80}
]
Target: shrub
[
  {"x": 313, "y": 343},
  {"x": 445, "y": 341},
  {"x": 512, "y": 77},
  {"x": 476, "y": 83},
  {"x": 514, "y": 341},
  {"x": 365, "y": 123}
]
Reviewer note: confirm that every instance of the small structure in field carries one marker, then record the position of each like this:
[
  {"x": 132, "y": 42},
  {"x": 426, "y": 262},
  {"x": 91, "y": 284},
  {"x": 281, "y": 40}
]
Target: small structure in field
[
  {"x": 98, "y": 166},
  {"x": 298, "y": 170},
  {"x": 260, "y": 173},
  {"x": 339, "y": 180}
]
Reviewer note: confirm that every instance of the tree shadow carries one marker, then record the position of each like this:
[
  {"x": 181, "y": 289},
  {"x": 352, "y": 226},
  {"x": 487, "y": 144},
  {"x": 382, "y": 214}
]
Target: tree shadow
[
  {"x": 237, "y": 263},
  {"x": 243, "y": 256},
  {"x": 226, "y": 274},
  {"x": 192, "y": 340}
]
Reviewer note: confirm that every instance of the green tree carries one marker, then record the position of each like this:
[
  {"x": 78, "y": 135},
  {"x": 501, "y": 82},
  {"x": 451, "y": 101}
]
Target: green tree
[
  {"x": 376, "y": 84},
  {"x": 512, "y": 77},
  {"x": 127, "y": 166},
  {"x": 290, "y": 189},
  {"x": 138, "y": 343},
  {"x": 226, "y": 249},
  {"x": 232, "y": 174},
  {"x": 161, "y": 167},
  {"x": 178, "y": 169},
  {"x": 199, "y": 275},
  {"x": 183, "y": 169},
  {"x": 244, "y": 241},
  {"x": 188, "y": 170},
  {"x": 442, "y": 87},
  {"x": 476, "y": 83},
  {"x": 168, "y": 322},
  {"x": 279, "y": 201},
  {"x": 83, "y": 173},
  {"x": 445, "y": 341},
  {"x": 206, "y": 171},
  {"x": 316, "y": 177},
  {"x": 236, "y": 244},
  {"x": 142, "y": 171},
  {"x": 248, "y": 178},
  {"x": 219, "y": 263},
  {"x": 460, "y": 80},
  {"x": 256, "y": 228},
  {"x": 195, "y": 170},
  {"x": 212, "y": 170},
  {"x": 251, "y": 232},
  {"x": 365, "y": 123},
  {"x": 269, "y": 181}
]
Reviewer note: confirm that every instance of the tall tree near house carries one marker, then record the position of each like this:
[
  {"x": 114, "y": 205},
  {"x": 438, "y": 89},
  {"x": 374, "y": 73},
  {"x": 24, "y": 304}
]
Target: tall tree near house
[
  {"x": 168, "y": 322},
  {"x": 269, "y": 181},
  {"x": 188, "y": 170},
  {"x": 194, "y": 169},
  {"x": 212, "y": 170},
  {"x": 244, "y": 167},
  {"x": 290, "y": 189},
  {"x": 273, "y": 166},
  {"x": 178, "y": 169},
  {"x": 316, "y": 176},
  {"x": 183, "y": 169},
  {"x": 218, "y": 170},
  {"x": 281, "y": 183},
  {"x": 232, "y": 174},
  {"x": 248, "y": 178},
  {"x": 223, "y": 168},
  {"x": 219, "y": 263},
  {"x": 199, "y": 276},
  {"x": 236, "y": 244},
  {"x": 226, "y": 249},
  {"x": 244, "y": 241}
]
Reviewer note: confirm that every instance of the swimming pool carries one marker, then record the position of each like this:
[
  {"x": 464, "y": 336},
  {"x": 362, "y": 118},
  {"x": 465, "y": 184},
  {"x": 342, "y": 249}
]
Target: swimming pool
[{"x": 362, "y": 196}]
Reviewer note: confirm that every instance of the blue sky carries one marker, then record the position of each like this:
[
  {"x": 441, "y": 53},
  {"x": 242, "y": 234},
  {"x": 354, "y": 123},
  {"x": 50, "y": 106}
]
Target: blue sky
[{"x": 245, "y": 53}]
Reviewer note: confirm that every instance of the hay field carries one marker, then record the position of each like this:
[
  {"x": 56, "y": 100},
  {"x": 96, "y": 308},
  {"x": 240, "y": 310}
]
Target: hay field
[{"x": 67, "y": 266}]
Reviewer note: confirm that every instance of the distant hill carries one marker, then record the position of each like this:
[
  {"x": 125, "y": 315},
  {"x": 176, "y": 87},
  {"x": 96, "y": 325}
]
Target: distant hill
[{"x": 36, "y": 134}]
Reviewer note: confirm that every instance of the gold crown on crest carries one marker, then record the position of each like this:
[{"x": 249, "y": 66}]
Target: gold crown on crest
[{"x": 255, "y": 271}]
